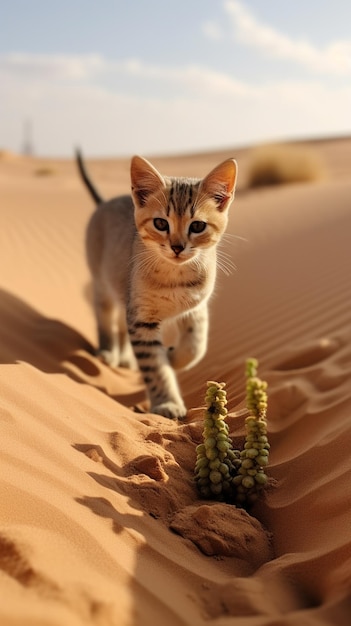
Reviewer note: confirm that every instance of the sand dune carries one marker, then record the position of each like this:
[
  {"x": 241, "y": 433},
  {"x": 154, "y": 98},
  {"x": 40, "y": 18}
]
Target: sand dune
[{"x": 100, "y": 522}]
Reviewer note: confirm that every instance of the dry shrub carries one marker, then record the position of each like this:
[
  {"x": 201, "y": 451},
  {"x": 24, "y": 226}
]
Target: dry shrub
[
  {"x": 44, "y": 171},
  {"x": 284, "y": 164}
]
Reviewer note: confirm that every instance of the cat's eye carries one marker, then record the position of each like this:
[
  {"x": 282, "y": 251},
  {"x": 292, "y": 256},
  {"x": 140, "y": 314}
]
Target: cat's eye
[
  {"x": 197, "y": 227},
  {"x": 161, "y": 224}
]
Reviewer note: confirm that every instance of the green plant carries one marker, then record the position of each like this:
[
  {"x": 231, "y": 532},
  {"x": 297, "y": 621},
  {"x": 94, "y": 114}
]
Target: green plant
[
  {"x": 251, "y": 478},
  {"x": 220, "y": 471},
  {"x": 217, "y": 462}
]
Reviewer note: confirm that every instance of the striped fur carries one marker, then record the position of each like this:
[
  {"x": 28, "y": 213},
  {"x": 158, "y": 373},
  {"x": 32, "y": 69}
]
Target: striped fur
[{"x": 152, "y": 256}]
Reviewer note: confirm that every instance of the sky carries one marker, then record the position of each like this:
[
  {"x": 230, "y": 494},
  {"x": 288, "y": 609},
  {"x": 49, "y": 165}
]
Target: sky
[{"x": 152, "y": 77}]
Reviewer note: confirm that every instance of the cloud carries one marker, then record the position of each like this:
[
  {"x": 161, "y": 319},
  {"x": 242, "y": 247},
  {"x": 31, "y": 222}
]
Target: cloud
[
  {"x": 212, "y": 30},
  {"x": 200, "y": 80},
  {"x": 55, "y": 67},
  {"x": 332, "y": 59},
  {"x": 183, "y": 108},
  {"x": 82, "y": 69}
]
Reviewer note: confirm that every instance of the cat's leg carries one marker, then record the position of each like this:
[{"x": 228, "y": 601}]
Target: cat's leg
[
  {"x": 106, "y": 319},
  {"x": 126, "y": 352},
  {"x": 192, "y": 339},
  {"x": 159, "y": 376}
]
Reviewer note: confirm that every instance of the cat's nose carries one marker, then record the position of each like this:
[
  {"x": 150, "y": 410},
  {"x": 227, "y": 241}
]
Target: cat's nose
[{"x": 177, "y": 249}]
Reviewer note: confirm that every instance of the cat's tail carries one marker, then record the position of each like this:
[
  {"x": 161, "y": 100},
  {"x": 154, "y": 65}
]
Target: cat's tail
[{"x": 86, "y": 179}]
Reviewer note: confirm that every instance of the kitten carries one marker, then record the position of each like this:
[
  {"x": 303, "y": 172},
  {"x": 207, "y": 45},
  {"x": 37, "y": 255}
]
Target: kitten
[{"x": 152, "y": 256}]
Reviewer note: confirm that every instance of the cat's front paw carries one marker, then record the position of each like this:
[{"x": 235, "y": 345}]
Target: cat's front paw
[
  {"x": 170, "y": 409},
  {"x": 114, "y": 359},
  {"x": 110, "y": 357}
]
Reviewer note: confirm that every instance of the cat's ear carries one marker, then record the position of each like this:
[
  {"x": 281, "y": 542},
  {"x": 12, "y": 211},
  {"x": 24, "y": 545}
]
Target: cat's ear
[
  {"x": 145, "y": 179},
  {"x": 220, "y": 183}
]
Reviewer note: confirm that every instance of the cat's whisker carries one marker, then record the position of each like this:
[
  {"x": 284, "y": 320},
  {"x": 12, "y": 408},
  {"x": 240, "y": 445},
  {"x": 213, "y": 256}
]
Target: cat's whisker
[
  {"x": 225, "y": 263},
  {"x": 148, "y": 260},
  {"x": 223, "y": 250},
  {"x": 234, "y": 236},
  {"x": 199, "y": 266},
  {"x": 231, "y": 236},
  {"x": 146, "y": 257}
]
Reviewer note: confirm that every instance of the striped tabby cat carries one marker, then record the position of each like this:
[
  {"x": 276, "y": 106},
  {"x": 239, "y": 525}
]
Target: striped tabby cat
[{"x": 152, "y": 257}]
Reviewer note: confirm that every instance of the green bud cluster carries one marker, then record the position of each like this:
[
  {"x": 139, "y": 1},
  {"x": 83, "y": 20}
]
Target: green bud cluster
[
  {"x": 251, "y": 478},
  {"x": 217, "y": 463},
  {"x": 221, "y": 472}
]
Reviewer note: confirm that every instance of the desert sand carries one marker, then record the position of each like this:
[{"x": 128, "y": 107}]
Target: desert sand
[{"x": 100, "y": 522}]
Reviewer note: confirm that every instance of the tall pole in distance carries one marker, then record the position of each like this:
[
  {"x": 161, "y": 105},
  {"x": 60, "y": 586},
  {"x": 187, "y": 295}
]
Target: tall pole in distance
[{"x": 27, "y": 146}]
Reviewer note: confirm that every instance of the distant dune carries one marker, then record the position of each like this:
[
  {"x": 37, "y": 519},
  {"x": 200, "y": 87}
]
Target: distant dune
[{"x": 7, "y": 155}]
